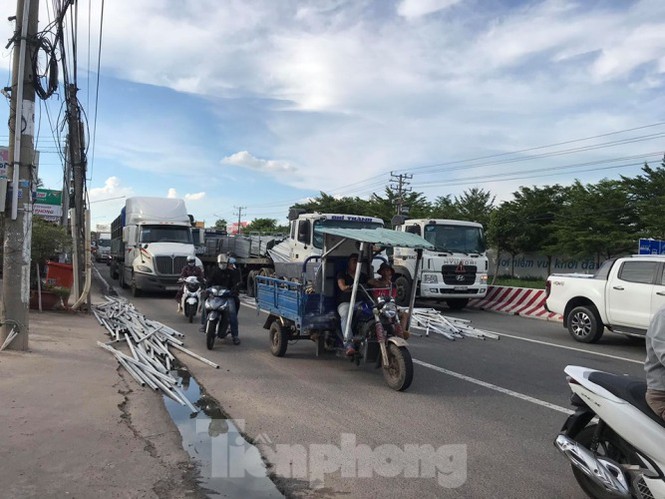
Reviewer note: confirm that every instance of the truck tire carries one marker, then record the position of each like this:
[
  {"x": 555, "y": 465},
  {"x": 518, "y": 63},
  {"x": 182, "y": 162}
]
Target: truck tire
[
  {"x": 114, "y": 271},
  {"x": 121, "y": 279},
  {"x": 403, "y": 285},
  {"x": 136, "y": 292},
  {"x": 279, "y": 339},
  {"x": 457, "y": 303},
  {"x": 251, "y": 283},
  {"x": 584, "y": 324}
]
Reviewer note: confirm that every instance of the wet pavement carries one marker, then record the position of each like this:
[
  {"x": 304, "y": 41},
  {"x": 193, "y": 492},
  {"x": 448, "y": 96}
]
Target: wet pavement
[{"x": 229, "y": 466}]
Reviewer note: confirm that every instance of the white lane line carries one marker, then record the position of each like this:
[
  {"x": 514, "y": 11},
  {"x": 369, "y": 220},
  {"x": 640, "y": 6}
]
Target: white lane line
[
  {"x": 565, "y": 347},
  {"x": 496, "y": 388}
]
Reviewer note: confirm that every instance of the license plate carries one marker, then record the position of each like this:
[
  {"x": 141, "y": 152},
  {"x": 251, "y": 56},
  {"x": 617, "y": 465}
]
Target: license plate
[{"x": 461, "y": 288}]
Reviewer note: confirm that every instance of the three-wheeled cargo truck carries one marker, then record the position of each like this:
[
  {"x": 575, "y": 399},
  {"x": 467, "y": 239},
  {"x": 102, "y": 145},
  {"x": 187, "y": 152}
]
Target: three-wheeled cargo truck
[{"x": 307, "y": 309}]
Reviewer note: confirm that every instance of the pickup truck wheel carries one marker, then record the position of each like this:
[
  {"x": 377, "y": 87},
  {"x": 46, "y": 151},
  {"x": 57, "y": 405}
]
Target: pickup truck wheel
[
  {"x": 279, "y": 339},
  {"x": 403, "y": 286},
  {"x": 584, "y": 325}
]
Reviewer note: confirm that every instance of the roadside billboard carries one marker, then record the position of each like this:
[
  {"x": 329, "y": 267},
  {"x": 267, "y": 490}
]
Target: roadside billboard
[{"x": 48, "y": 205}]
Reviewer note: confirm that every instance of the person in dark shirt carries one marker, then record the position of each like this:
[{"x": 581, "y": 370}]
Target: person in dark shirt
[
  {"x": 226, "y": 275},
  {"x": 191, "y": 269},
  {"x": 345, "y": 284}
]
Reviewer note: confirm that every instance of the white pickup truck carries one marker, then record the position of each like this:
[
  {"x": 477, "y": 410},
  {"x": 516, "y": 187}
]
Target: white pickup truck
[{"x": 621, "y": 296}]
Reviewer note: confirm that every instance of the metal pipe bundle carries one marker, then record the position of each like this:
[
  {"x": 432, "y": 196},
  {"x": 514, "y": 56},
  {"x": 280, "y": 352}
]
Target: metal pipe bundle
[
  {"x": 429, "y": 319},
  {"x": 149, "y": 361}
]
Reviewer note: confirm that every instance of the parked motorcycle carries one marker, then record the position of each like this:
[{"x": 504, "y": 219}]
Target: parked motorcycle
[
  {"x": 217, "y": 310},
  {"x": 191, "y": 297},
  {"x": 622, "y": 454}
]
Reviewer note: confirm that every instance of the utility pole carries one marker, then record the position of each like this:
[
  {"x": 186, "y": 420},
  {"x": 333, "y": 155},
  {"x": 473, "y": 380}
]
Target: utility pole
[
  {"x": 240, "y": 208},
  {"x": 78, "y": 169},
  {"x": 18, "y": 222},
  {"x": 399, "y": 183}
]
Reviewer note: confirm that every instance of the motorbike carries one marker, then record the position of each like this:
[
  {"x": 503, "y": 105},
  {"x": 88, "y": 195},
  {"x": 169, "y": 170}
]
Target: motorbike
[
  {"x": 378, "y": 338},
  {"x": 191, "y": 297},
  {"x": 217, "y": 310},
  {"x": 614, "y": 441}
]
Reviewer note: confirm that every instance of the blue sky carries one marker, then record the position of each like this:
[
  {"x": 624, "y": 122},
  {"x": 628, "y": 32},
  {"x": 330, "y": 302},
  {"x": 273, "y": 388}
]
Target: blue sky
[{"x": 263, "y": 103}]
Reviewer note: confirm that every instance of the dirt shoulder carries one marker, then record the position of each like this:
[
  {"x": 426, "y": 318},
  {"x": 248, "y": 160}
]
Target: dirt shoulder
[{"x": 75, "y": 425}]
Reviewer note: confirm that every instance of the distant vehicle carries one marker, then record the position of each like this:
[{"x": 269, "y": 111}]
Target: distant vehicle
[
  {"x": 621, "y": 296},
  {"x": 151, "y": 240},
  {"x": 454, "y": 271},
  {"x": 103, "y": 248}
]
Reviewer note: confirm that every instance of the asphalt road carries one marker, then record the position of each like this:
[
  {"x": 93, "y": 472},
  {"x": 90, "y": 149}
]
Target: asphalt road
[{"x": 489, "y": 409}]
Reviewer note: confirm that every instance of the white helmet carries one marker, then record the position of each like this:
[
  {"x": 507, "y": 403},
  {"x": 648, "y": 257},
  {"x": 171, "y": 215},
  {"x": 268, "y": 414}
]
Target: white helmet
[
  {"x": 191, "y": 260},
  {"x": 222, "y": 261}
]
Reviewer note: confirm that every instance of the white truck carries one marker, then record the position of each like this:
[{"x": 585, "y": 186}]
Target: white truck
[
  {"x": 150, "y": 242},
  {"x": 285, "y": 258},
  {"x": 454, "y": 271},
  {"x": 621, "y": 296},
  {"x": 103, "y": 247}
]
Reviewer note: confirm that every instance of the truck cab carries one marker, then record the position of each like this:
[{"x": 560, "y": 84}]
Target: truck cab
[
  {"x": 454, "y": 271},
  {"x": 305, "y": 238}
]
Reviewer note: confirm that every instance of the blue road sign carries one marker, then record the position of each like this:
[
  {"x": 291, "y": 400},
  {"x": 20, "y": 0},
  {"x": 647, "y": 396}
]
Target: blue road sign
[{"x": 651, "y": 247}]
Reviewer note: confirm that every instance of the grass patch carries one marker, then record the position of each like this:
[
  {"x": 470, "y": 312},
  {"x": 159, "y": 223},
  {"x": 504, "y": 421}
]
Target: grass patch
[{"x": 529, "y": 282}]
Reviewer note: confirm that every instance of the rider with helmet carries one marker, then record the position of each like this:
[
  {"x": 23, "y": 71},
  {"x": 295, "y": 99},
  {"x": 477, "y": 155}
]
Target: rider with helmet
[
  {"x": 226, "y": 275},
  {"x": 191, "y": 269}
]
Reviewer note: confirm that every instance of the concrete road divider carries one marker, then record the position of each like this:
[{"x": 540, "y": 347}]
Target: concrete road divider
[{"x": 526, "y": 302}]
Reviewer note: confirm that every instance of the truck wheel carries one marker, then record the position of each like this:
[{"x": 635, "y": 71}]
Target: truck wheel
[
  {"x": 457, "y": 303},
  {"x": 279, "y": 339},
  {"x": 121, "y": 279},
  {"x": 114, "y": 272},
  {"x": 136, "y": 292},
  {"x": 584, "y": 325},
  {"x": 251, "y": 284},
  {"x": 403, "y": 286}
]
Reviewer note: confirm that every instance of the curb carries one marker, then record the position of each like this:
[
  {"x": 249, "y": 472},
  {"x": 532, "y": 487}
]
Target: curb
[
  {"x": 525, "y": 302},
  {"x": 108, "y": 289}
]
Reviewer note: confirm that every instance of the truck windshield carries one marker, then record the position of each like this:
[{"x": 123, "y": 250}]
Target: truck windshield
[
  {"x": 165, "y": 234},
  {"x": 456, "y": 238},
  {"x": 340, "y": 224},
  {"x": 104, "y": 243}
]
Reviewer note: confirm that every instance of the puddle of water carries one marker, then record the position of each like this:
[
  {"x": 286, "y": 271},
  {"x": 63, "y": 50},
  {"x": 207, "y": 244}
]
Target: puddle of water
[{"x": 229, "y": 465}]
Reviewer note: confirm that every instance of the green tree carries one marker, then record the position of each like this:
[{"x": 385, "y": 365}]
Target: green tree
[
  {"x": 647, "y": 192},
  {"x": 596, "y": 219},
  {"x": 221, "y": 224},
  {"x": 262, "y": 225},
  {"x": 475, "y": 205},
  {"x": 538, "y": 207},
  {"x": 444, "y": 207},
  {"x": 504, "y": 228},
  {"x": 48, "y": 239}
]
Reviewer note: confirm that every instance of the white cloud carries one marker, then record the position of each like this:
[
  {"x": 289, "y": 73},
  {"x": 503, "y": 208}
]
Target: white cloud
[
  {"x": 417, "y": 8},
  {"x": 172, "y": 193},
  {"x": 246, "y": 160},
  {"x": 106, "y": 201},
  {"x": 197, "y": 196}
]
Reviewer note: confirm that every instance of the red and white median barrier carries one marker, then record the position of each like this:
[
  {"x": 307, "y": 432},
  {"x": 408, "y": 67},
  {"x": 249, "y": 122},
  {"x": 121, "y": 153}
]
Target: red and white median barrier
[{"x": 526, "y": 302}]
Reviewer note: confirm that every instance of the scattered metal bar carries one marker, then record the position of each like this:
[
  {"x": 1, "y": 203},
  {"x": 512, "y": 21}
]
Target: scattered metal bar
[
  {"x": 148, "y": 342},
  {"x": 196, "y": 356},
  {"x": 431, "y": 320}
]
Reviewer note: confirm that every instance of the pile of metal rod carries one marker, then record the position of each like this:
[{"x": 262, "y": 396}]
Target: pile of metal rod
[
  {"x": 431, "y": 320},
  {"x": 149, "y": 360}
]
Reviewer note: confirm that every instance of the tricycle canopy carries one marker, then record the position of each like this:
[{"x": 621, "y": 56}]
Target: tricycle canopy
[{"x": 378, "y": 237}]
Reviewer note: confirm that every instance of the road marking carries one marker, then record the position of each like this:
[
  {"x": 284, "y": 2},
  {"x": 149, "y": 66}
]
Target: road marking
[
  {"x": 496, "y": 388},
  {"x": 565, "y": 347}
]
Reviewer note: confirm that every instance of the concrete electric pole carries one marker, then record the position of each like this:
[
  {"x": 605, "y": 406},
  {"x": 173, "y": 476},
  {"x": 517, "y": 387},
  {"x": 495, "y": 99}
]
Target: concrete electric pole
[
  {"x": 240, "y": 208},
  {"x": 18, "y": 218},
  {"x": 399, "y": 183}
]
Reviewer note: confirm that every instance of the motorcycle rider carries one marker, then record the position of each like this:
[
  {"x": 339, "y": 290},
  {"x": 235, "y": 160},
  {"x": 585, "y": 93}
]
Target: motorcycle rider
[
  {"x": 654, "y": 365},
  {"x": 345, "y": 284},
  {"x": 226, "y": 275},
  {"x": 386, "y": 287},
  {"x": 191, "y": 269}
]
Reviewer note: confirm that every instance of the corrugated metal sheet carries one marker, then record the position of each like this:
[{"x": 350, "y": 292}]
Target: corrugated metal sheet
[{"x": 381, "y": 237}]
